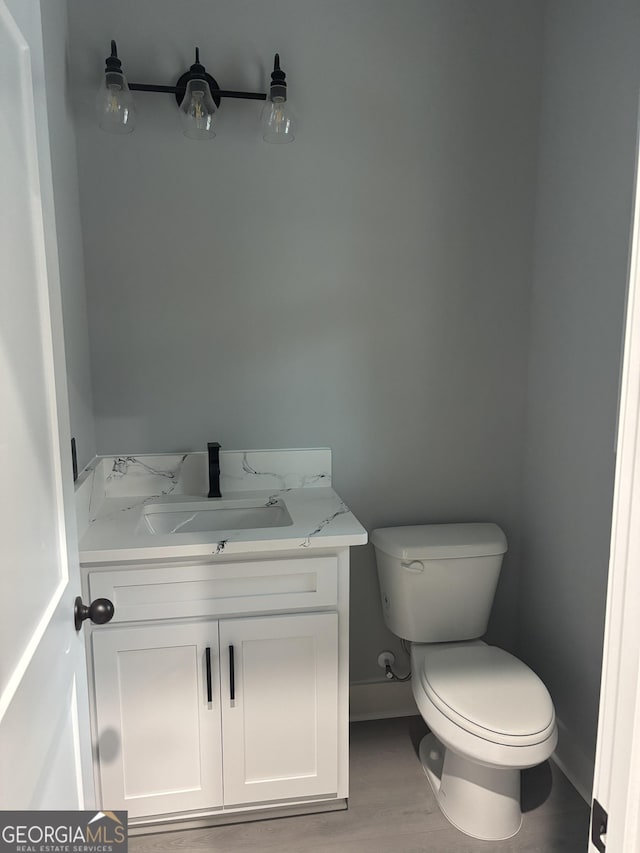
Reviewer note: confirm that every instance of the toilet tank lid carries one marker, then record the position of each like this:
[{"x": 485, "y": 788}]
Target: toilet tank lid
[{"x": 440, "y": 541}]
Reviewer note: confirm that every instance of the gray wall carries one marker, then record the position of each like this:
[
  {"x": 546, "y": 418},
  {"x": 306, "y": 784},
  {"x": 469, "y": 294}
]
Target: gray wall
[
  {"x": 591, "y": 84},
  {"x": 67, "y": 209},
  {"x": 365, "y": 288}
]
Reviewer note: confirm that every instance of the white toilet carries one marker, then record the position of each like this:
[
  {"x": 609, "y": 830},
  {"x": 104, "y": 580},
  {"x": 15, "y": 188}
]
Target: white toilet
[{"x": 490, "y": 716}]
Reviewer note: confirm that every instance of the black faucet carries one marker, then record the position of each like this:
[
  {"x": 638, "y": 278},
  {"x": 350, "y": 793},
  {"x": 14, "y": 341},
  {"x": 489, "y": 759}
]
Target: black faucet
[{"x": 213, "y": 448}]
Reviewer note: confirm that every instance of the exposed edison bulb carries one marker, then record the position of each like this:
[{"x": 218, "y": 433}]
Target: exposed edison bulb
[
  {"x": 197, "y": 111},
  {"x": 277, "y": 124},
  {"x": 114, "y": 104}
]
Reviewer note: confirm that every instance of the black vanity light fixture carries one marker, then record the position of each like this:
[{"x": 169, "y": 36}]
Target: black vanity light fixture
[{"x": 198, "y": 96}]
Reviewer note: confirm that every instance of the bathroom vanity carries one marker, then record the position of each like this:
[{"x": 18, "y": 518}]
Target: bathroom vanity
[{"x": 219, "y": 689}]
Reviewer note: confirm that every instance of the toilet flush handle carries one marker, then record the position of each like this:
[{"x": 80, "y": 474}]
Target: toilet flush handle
[{"x": 415, "y": 566}]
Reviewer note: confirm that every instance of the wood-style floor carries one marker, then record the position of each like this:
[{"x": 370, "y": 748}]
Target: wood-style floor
[{"x": 392, "y": 810}]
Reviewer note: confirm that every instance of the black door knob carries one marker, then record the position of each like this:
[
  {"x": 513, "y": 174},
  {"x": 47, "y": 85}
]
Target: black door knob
[{"x": 99, "y": 611}]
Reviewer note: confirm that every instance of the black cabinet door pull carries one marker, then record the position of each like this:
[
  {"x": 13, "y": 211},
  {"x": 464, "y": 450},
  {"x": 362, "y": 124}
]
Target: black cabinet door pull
[
  {"x": 207, "y": 653},
  {"x": 232, "y": 675}
]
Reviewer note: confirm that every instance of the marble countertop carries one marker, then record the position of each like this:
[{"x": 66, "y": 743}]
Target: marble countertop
[{"x": 112, "y": 495}]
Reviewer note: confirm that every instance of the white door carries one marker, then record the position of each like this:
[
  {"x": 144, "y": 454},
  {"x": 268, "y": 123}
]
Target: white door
[
  {"x": 44, "y": 721},
  {"x": 616, "y": 787},
  {"x": 157, "y": 689},
  {"x": 279, "y": 684}
]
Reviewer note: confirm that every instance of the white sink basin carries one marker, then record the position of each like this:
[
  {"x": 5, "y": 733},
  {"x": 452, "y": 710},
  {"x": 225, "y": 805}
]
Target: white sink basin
[{"x": 213, "y": 515}]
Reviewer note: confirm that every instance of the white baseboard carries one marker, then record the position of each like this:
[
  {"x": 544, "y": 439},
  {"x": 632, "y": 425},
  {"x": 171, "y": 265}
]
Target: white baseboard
[
  {"x": 574, "y": 763},
  {"x": 381, "y": 699}
]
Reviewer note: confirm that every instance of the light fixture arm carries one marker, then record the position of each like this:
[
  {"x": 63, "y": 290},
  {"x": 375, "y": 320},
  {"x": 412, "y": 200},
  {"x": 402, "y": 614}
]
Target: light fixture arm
[
  {"x": 178, "y": 90},
  {"x": 197, "y": 71}
]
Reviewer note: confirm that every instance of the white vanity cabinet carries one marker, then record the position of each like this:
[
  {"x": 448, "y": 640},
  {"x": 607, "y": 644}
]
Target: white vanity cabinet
[{"x": 221, "y": 688}]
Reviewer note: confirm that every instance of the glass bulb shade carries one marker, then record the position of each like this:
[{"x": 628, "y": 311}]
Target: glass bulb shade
[
  {"x": 114, "y": 104},
  {"x": 197, "y": 110},
  {"x": 277, "y": 124}
]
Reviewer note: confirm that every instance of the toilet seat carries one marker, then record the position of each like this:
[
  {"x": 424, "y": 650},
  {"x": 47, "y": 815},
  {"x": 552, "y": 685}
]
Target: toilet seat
[
  {"x": 467, "y": 738},
  {"x": 488, "y": 693}
]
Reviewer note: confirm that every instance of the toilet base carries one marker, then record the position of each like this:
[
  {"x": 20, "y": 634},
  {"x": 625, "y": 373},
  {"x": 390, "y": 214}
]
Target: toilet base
[{"x": 483, "y": 802}]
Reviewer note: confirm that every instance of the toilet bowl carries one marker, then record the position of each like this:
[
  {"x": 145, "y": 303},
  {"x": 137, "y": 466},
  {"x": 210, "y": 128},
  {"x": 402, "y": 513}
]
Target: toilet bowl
[{"x": 489, "y": 715}]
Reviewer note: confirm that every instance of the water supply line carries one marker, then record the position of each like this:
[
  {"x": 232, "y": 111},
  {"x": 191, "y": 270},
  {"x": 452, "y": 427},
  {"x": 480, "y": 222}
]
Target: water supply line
[{"x": 386, "y": 660}]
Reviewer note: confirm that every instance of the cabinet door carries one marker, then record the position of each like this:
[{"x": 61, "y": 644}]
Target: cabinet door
[
  {"x": 159, "y": 747},
  {"x": 280, "y": 729}
]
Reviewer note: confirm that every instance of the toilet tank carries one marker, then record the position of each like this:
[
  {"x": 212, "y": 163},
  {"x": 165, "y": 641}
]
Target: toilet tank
[{"x": 438, "y": 581}]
